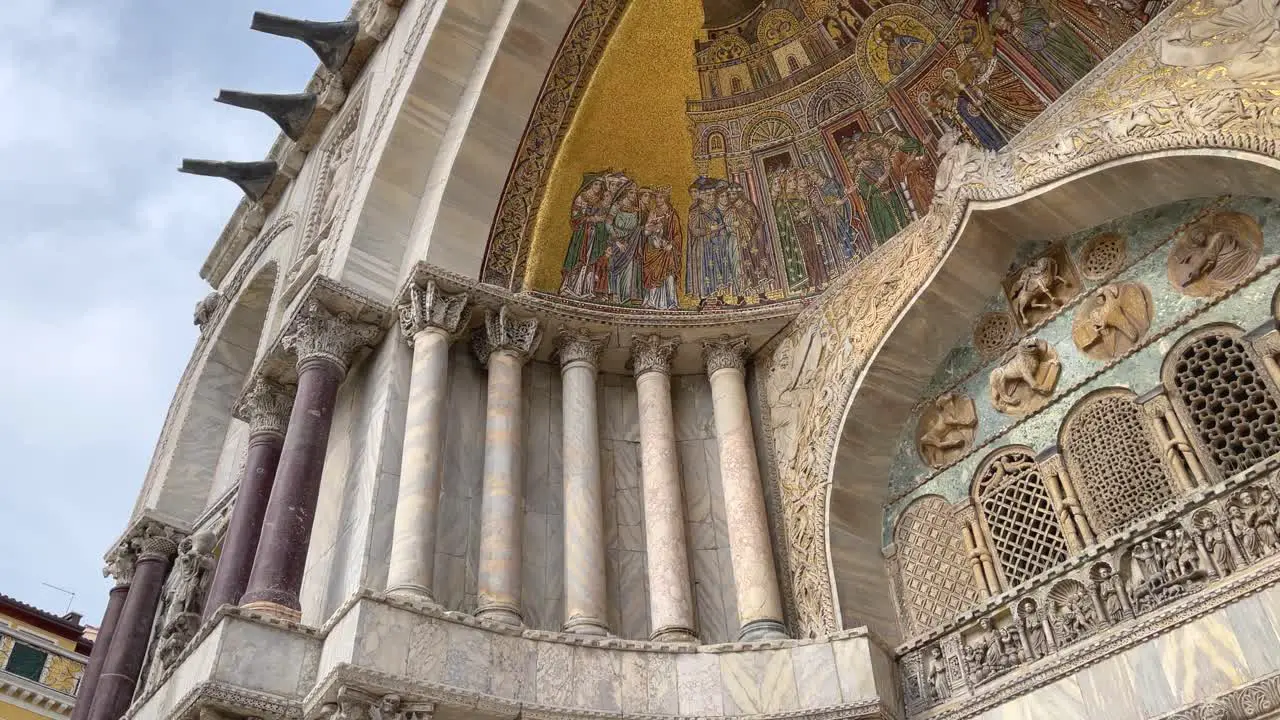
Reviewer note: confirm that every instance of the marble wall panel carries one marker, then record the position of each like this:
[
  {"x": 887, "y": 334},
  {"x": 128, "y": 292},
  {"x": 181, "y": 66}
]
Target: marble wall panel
[
  {"x": 514, "y": 669},
  {"x": 1110, "y": 685},
  {"x": 597, "y": 679},
  {"x": 758, "y": 682},
  {"x": 817, "y": 684},
  {"x": 458, "y": 533},
  {"x": 263, "y": 658},
  {"x": 698, "y": 684}
]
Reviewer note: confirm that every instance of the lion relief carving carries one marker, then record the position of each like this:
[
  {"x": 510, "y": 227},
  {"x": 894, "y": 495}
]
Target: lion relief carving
[{"x": 1024, "y": 379}]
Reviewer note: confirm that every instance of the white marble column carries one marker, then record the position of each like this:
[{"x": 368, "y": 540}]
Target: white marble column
[
  {"x": 585, "y": 600},
  {"x": 504, "y": 344},
  {"x": 429, "y": 321},
  {"x": 750, "y": 549},
  {"x": 666, "y": 549}
]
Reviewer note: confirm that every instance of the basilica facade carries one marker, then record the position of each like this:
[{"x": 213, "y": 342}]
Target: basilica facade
[{"x": 756, "y": 359}]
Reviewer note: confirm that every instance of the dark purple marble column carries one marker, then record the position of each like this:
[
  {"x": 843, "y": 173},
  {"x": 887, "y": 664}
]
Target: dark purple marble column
[
  {"x": 266, "y": 408},
  {"x": 101, "y": 646},
  {"x": 128, "y": 644},
  {"x": 323, "y": 343}
]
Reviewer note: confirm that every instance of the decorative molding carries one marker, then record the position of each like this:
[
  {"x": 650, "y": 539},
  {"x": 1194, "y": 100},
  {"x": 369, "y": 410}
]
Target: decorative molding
[
  {"x": 1253, "y": 701},
  {"x": 725, "y": 352}
]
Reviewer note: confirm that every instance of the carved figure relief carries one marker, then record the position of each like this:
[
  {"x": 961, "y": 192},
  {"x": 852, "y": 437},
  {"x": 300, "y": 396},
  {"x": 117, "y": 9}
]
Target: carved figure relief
[
  {"x": 1020, "y": 518},
  {"x": 1241, "y": 35},
  {"x": 1164, "y": 568},
  {"x": 994, "y": 333},
  {"x": 1040, "y": 289},
  {"x": 1072, "y": 612},
  {"x": 1111, "y": 592},
  {"x": 1215, "y": 253},
  {"x": 1110, "y": 457},
  {"x": 183, "y": 601},
  {"x": 946, "y": 429},
  {"x": 205, "y": 309},
  {"x": 939, "y": 686},
  {"x": 1253, "y": 520},
  {"x": 989, "y": 653},
  {"x": 1024, "y": 380},
  {"x": 1033, "y": 629},
  {"x": 1214, "y": 538},
  {"x": 1102, "y": 256},
  {"x": 935, "y": 581},
  {"x": 1112, "y": 320}
]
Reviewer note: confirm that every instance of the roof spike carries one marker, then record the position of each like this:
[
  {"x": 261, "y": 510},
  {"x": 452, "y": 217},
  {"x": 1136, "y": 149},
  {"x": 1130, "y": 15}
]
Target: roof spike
[
  {"x": 331, "y": 41},
  {"x": 252, "y": 177},
  {"x": 291, "y": 111}
]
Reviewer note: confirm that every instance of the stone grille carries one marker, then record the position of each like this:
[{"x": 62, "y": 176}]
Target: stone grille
[
  {"x": 1230, "y": 408},
  {"x": 1103, "y": 255},
  {"x": 1110, "y": 458},
  {"x": 994, "y": 333},
  {"x": 1020, "y": 517},
  {"x": 936, "y": 583}
]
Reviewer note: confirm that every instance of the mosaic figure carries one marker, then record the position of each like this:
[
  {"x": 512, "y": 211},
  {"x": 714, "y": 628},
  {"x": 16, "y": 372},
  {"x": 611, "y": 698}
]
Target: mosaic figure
[
  {"x": 661, "y": 243},
  {"x": 709, "y": 269}
]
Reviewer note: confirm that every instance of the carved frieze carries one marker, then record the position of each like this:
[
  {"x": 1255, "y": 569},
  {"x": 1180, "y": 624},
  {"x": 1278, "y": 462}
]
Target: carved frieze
[{"x": 1112, "y": 320}]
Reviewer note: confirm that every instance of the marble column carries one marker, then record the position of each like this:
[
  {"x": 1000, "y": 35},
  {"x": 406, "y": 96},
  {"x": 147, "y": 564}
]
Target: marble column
[
  {"x": 155, "y": 545},
  {"x": 504, "y": 344},
  {"x": 586, "y": 604},
  {"x": 323, "y": 342},
  {"x": 265, "y": 406},
  {"x": 429, "y": 321},
  {"x": 750, "y": 549},
  {"x": 120, "y": 566},
  {"x": 666, "y": 548}
]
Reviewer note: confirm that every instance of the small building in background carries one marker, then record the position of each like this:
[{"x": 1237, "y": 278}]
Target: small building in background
[{"x": 42, "y": 657}]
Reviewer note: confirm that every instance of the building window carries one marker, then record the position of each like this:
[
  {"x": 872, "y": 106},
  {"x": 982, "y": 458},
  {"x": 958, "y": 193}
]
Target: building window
[
  {"x": 26, "y": 661},
  {"x": 1020, "y": 518},
  {"x": 792, "y": 63},
  {"x": 735, "y": 85}
]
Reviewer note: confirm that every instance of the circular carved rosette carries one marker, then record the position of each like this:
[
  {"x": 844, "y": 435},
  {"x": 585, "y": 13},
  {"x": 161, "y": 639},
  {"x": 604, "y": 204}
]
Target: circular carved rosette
[
  {"x": 946, "y": 429},
  {"x": 1025, "y": 377},
  {"x": 994, "y": 333},
  {"x": 1214, "y": 254},
  {"x": 1112, "y": 320},
  {"x": 1103, "y": 256}
]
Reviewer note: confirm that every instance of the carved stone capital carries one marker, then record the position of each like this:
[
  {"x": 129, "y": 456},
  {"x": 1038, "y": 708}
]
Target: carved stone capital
[
  {"x": 725, "y": 352},
  {"x": 652, "y": 353},
  {"x": 577, "y": 345},
  {"x": 504, "y": 331},
  {"x": 1157, "y": 406},
  {"x": 120, "y": 564},
  {"x": 429, "y": 307},
  {"x": 154, "y": 540},
  {"x": 318, "y": 333},
  {"x": 266, "y": 405},
  {"x": 354, "y": 703}
]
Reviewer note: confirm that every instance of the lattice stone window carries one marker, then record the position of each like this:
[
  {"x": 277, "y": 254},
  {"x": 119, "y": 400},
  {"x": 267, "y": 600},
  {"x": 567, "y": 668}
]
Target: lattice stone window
[
  {"x": 1227, "y": 401},
  {"x": 1019, "y": 517},
  {"x": 1110, "y": 458},
  {"x": 935, "y": 580}
]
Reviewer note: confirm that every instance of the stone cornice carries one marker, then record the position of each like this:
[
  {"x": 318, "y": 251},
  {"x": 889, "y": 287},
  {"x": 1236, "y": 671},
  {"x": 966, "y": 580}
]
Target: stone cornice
[{"x": 34, "y": 697}]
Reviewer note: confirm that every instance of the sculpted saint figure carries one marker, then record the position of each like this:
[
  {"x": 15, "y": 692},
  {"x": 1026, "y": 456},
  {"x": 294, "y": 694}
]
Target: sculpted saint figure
[
  {"x": 939, "y": 688},
  {"x": 1215, "y": 542}
]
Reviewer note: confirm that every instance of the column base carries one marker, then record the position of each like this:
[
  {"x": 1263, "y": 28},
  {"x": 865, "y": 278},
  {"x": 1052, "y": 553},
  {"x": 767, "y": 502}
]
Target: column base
[
  {"x": 415, "y": 593},
  {"x": 583, "y": 625},
  {"x": 500, "y": 612},
  {"x": 275, "y": 610},
  {"x": 757, "y": 630},
  {"x": 674, "y": 634}
]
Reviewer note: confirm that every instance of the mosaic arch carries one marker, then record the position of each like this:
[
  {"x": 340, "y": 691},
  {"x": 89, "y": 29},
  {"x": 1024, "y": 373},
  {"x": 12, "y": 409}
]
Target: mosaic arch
[{"x": 729, "y": 153}]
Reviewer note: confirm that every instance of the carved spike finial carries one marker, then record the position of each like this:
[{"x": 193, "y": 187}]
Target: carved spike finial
[
  {"x": 291, "y": 111},
  {"x": 252, "y": 177},
  {"x": 331, "y": 41}
]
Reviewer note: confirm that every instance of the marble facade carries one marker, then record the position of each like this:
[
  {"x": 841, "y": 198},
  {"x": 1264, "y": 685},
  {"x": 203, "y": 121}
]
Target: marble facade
[{"x": 493, "y": 503}]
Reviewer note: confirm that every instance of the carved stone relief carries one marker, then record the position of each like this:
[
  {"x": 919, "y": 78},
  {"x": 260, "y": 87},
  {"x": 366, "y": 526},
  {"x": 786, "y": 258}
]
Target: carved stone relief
[
  {"x": 994, "y": 333},
  {"x": 1038, "y": 290},
  {"x": 1243, "y": 36},
  {"x": 1020, "y": 518},
  {"x": 1024, "y": 380},
  {"x": 183, "y": 600},
  {"x": 1112, "y": 320},
  {"x": 1072, "y": 612},
  {"x": 1163, "y": 568},
  {"x": 946, "y": 429},
  {"x": 1102, "y": 256},
  {"x": 1214, "y": 254},
  {"x": 935, "y": 582}
]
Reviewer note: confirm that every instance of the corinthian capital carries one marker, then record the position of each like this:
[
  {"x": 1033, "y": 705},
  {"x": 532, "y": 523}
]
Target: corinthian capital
[
  {"x": 429, "y": 307},
  {"x": 265, "y": 405},
  {"x": 725, "y": 352},
  {"x": 574, "y": 345},
  {"x": 504, "y": 331},
  {"x": 120, "y": 564},
  {"x": 652, "y": 353},
  {"x": 318, "y": 333}
]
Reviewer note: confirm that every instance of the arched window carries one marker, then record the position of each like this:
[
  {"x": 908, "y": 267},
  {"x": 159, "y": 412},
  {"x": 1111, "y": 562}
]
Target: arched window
[
  {"x": 1018, "y": 515},
  {"x": 935, "y": 581},
  {"x": 715, "y": 144},
  {"x": 735, "y": 85},
  {"x": 792, "y": 63},
  {"x": 1223, "y": 397},
  {"x": 1111, "y": 460}
]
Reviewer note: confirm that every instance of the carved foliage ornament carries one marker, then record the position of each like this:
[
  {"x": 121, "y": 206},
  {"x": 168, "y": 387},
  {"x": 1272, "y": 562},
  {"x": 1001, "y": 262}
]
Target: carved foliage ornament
[
  {"x": 994, "y": 333},
  {"x": 429, "y": 307},
  {"x": 1112, "y": 320},
  {"x": 266, "y": 405},
  {"x": 576, "y": 345},
  {"x": 652, "y": 353},
  {"x": 1215, "y": 253},
  {"x": 1103, "y": 255},
  {"x": 316, "y": 332},
  {"x": 1024, "y": 379},
  {"x": 505, "y": 331},
  {"x": 1243, "y": 36},
  {"x": 946, "y": 429},
  {"x": 725, "y": 352}
]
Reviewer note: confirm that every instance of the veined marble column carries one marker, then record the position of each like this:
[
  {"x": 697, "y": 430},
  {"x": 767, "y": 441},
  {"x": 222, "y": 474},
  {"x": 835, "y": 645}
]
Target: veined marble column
[
  {"x": 585, "y": 600},
  {"x": 666, "y": 549},
  {"x": 504, "y": 344},
  {"x": 750, "y": 550},
  {"x": 323, "y": 343},
  {"x": 156, "y": 545},
  {"x": 265, "y": 406},
  {"x": 429, "y": 321},
  {"x": 120, "y": 566}
]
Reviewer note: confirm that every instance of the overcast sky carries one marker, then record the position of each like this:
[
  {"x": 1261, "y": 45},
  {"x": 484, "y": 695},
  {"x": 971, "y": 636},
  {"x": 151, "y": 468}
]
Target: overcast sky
[{"x": 101, "y": 247}]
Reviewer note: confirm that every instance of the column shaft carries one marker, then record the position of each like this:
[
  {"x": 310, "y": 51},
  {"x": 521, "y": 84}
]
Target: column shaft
[
  {"x": 667, "y": 552},
  {"x": 235, "y": 564},
  {"x": 502, "y": 504},
  {"x": 128, "y": 646},
  {"x": 281, "y": 556},
  {"x": 586, "y": 601},
  {"x": 413, "y": 540},
  {"x": 106, "y": 632}
]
